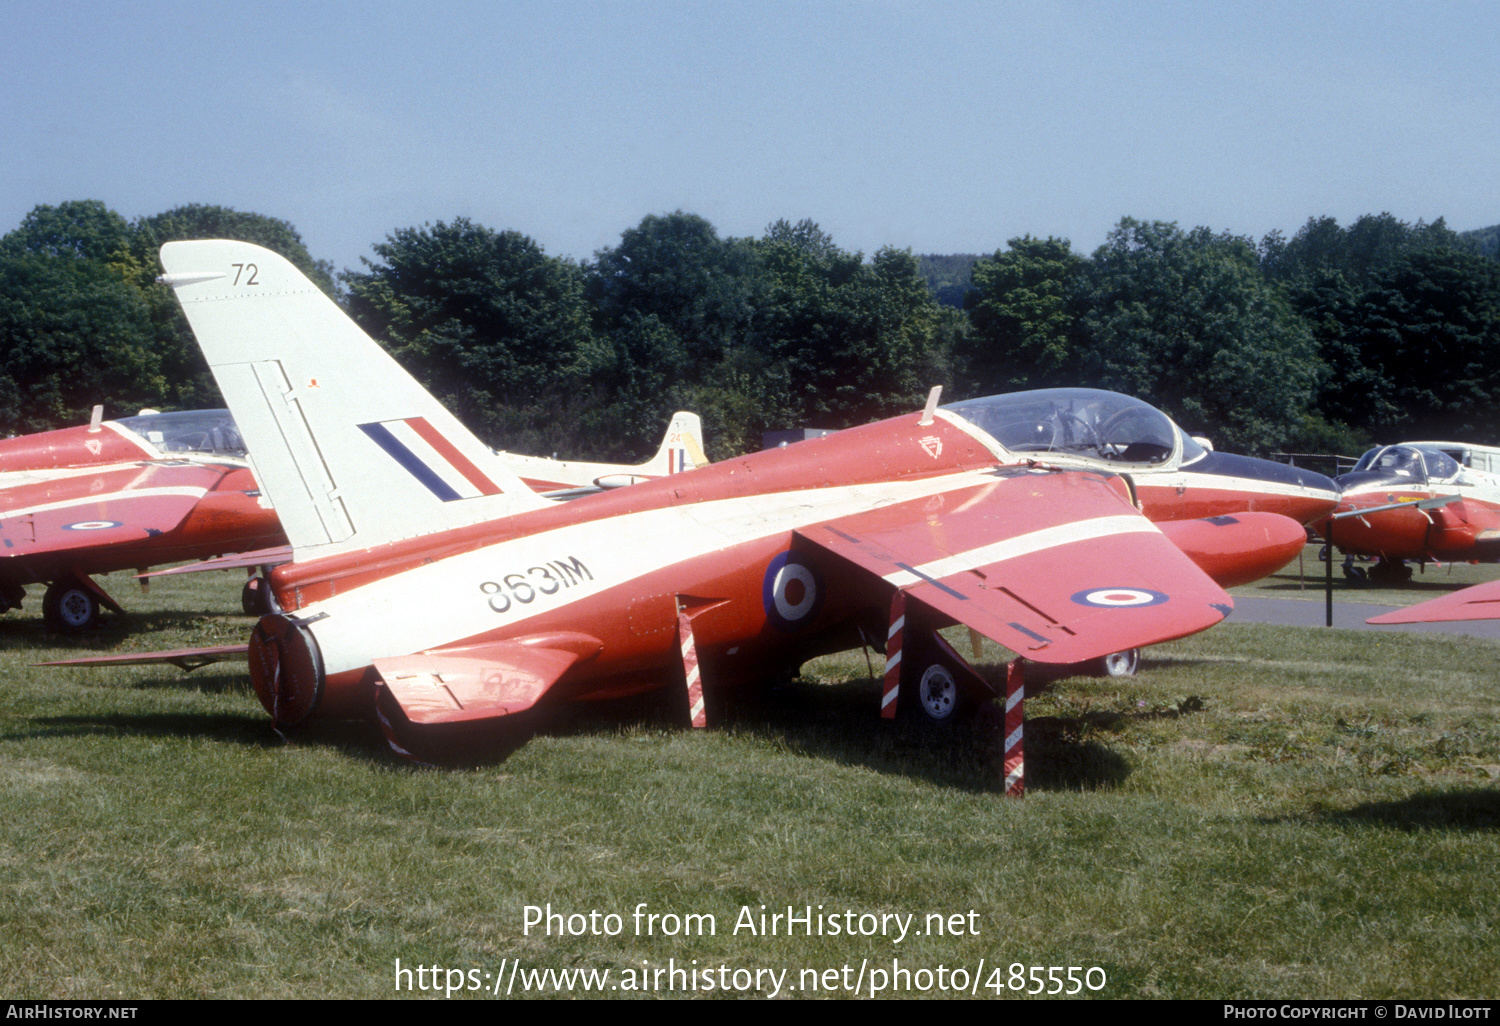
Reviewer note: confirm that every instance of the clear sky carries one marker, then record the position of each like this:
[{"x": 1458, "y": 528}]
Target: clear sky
[{"x": 945, "y": 127}]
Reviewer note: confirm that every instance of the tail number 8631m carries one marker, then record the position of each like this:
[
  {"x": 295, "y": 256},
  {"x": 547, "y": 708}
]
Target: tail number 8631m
[{"x": 544, "y": 579}]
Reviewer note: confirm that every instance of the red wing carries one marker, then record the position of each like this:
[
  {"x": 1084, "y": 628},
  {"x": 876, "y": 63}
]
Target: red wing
[
  {"x": 1055, "y": 566},
  {"x": 1481, "y": 602},
  {"x": 125, "y": 504},
  {"x": 274, "y": 556},
  {"x": 478, "y": 682},
  {"x": 182, "y": 658}
]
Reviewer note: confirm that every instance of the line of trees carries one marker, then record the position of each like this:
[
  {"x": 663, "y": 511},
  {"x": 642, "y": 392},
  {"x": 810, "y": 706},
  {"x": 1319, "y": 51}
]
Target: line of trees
[{"x": 1321, "y": 342}]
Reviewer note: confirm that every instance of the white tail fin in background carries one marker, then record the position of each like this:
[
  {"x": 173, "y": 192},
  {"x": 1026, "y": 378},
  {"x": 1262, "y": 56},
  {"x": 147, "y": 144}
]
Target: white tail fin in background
[
  {"x": 351, "y": 451},
  {"x": 681, "y": 450}
]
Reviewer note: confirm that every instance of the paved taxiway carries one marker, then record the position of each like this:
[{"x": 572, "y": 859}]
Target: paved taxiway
[{"x": 1311, "y": 613}]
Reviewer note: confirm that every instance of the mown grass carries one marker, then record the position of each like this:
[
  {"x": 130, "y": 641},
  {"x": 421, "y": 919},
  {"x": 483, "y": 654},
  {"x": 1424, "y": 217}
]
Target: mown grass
[{"x": 1263, "y": 812}]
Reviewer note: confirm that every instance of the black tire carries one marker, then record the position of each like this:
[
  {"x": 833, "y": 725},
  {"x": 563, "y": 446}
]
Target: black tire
[
  {"x": 257, "y": 599},
  {"x": 70, "y": 606}
]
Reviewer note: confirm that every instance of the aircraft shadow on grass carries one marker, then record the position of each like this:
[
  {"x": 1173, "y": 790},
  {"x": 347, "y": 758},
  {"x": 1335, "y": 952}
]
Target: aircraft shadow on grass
[{"x": 1464, "y": 809}]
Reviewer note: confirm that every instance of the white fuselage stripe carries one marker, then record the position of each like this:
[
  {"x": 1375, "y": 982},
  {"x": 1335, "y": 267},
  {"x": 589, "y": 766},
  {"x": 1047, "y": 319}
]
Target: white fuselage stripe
[
  {"x": 443, "y": 602},
  {"x": 115, "y": 496}
]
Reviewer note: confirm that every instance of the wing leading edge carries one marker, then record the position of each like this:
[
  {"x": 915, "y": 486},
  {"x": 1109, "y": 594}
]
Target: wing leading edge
[
  {"x": 1481, "y": 602},
  {"x": 1057, "y": 567}
]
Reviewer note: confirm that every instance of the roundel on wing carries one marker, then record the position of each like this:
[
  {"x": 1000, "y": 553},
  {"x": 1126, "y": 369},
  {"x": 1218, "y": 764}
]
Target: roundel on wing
[
  {"x": 1119, "y": 598},
  {"x": 791, "y": 592},
  {"x": 92, "y": 525}
]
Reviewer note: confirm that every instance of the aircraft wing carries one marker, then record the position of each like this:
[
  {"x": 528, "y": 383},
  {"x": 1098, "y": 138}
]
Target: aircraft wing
[
  {"x": 274, "y": 556},
  {"x": 187, "y": 659},
  {"x": 1481, "y": 602},
  {"x": 1056, "y": 567},
  {"x": 122, "y": 505}
]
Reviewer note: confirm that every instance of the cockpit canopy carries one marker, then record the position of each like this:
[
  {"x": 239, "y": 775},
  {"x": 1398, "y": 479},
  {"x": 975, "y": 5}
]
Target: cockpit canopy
[
  {"x": 206, "y": 431},
  {"x": 1409, "y": 464},
  {"x": 1080, "y": 422}
]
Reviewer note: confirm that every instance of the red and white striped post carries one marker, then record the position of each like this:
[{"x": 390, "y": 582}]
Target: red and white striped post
[
  {"x": 893, "y": 642},
  {"x": 696, "y": 710},
  {"x": 1015, "y": 718}
]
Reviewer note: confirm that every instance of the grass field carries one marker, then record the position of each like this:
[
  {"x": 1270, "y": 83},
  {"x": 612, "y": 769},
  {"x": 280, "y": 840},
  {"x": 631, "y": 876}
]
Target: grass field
[{"x": 1263, "y": 812}]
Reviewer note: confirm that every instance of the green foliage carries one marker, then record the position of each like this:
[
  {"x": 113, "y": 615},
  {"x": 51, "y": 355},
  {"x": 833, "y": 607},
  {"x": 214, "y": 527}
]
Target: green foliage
[
  {"x": 1359, "y": 253},
  {"x": 673, "y": 302},
  {"x": 81, "y": 229},
  {"x": 1399, "y": 314},
  {"x": 1325, "y": 339},
  {"x": 1429, "y": 329},
  {"x": 495, "y": 328},
  {"x": 200, "y": 221},
  {"x": 1486, "y": 241},
  {"x": 950, "y": 276},
  {"x": 1187, "y": 322},
  {"x": 1023, "y": 312},
  {"x": 844, "y": 341},
  {"x": 73, "y": 333}
]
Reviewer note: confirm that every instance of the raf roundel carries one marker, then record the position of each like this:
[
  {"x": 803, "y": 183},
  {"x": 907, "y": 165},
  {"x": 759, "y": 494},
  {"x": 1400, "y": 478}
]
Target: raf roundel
[
  {"x": 1119, "y": 598},
  {"x": 92, "y": 525},
  {"x": 791, "y": 592}
]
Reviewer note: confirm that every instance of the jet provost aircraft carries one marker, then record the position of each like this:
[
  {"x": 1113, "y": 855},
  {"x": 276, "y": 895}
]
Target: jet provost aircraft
[
  {"x": 1457, "y": 486},
  {"x": 112, "y": 495},
  {"x": 441, "y": 597},
  {"x": 681, "y": 450}
]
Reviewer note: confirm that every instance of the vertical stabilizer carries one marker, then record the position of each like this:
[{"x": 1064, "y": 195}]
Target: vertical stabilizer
[
  {"x": 681, "y": 447},
  {"x": 351, "y": 451}
]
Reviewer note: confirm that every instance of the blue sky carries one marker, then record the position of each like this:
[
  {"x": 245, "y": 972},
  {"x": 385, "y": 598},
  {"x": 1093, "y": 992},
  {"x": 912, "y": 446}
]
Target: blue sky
[{"x": 940, "y": 126}]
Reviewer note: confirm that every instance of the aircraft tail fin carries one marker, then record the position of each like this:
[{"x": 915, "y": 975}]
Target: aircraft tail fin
[
  {"x": 681, "y": 447},
  {"x": 350, "y": 449}
]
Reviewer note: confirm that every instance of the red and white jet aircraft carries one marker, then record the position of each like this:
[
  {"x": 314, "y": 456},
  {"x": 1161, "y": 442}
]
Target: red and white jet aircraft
[
  {"x": 434, "y": 590},
  {"x": 1379, "y": 515},
  {"x": 120, "y": 494}
]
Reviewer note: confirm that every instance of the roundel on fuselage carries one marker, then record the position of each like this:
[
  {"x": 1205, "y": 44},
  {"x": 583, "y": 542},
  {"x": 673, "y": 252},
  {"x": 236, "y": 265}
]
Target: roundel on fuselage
[{"x": 791, "y": 592}]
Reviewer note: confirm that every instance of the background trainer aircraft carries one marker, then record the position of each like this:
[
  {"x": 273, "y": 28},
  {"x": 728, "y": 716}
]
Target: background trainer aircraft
[
  {"x": 681, "y": 450},
  {"x": 1173, "y": 476},
  {"x": 445, "y": 610},
  {"x": 1466, "y": 528},
  {"x": 122, "y": 494}
]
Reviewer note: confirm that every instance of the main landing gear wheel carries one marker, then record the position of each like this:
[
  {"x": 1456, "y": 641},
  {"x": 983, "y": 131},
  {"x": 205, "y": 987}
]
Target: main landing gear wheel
[
  {"x": 257, "y": 599},
  {"x": 939, "y": 695},
  {"x": 70, "y": 606},
  {"x": 1119, "y": 664},
  {"x": 942, "y": 693}
]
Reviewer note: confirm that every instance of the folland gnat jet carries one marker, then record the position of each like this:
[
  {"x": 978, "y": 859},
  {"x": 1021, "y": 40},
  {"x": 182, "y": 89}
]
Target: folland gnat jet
[
  {"x": 1419, "y": 501},
  {"x": 681, "y": 450},
  {"x": 446, "y": 612},
  {"x": 122, "y": 494}
]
